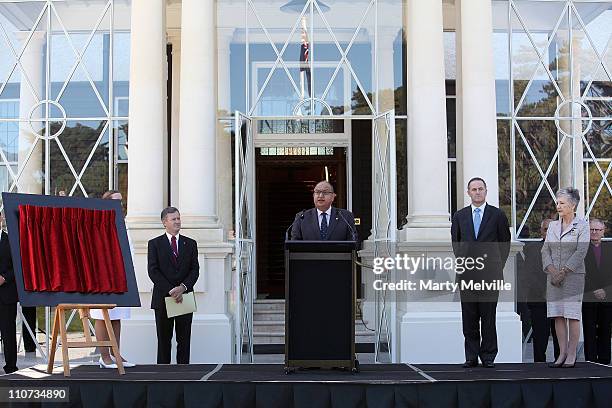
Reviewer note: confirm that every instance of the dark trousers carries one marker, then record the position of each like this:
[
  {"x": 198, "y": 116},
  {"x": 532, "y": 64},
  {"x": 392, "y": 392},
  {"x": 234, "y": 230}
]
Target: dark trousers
[
  {"x": 479, "y": 329},
  {"x": 542, "y": 327},
  {"x": 8, "y": 331},
  {"x": 165, "y": 327},
  {"x": 596, "y": 320},
  {"x": 29, "y": 314}
]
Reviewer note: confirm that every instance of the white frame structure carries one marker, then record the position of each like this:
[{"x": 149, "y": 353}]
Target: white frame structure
[
  {"x": 570, "y": 107},
  {"x": 50, "y": 20},
  {"x": 311, "y": 8},
  {"x": 245, "y": 248},
  {"x": 384, "y": 229}
]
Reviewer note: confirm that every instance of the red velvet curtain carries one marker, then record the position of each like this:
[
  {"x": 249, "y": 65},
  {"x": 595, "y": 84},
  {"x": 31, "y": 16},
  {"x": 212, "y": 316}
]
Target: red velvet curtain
[{"x": 70, "y": 250}]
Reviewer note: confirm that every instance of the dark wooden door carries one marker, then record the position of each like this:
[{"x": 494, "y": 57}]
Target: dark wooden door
[{"x": 284, "y": 188}]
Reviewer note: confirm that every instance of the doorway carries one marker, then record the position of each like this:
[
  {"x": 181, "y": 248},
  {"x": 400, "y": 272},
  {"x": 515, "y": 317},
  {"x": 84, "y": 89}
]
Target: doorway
[{"x": 285, "y": 179}]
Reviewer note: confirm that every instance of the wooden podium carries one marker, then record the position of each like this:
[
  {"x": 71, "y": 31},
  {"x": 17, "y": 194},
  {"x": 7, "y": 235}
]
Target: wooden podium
[
  {"x": 320, "y": 304},
  {"x": 59, "y": 328}
]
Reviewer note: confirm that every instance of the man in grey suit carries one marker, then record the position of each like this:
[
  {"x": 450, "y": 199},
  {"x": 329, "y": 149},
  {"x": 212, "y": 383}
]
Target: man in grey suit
[{"x": 324, "y": 222}]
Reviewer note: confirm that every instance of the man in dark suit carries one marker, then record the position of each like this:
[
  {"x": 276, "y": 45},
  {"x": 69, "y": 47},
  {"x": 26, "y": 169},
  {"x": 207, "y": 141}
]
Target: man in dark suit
[
  {"x": 174, "y": 269},
  {"x": 8, "y": 305},
  {"x": 596, "y": 309},
  {"x": 480, "y": 231},
  {"x": 531, "y": 272},
  {"x": 324, "y": 222}
]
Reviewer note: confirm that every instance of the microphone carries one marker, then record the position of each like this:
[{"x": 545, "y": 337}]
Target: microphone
[
  {"x": 301, "y": 217},
  {"x": 353, "y": 232}
]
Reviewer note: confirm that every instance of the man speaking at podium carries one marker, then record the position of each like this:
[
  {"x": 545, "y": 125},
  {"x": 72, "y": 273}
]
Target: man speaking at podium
[{"x": 324, "y": 222}]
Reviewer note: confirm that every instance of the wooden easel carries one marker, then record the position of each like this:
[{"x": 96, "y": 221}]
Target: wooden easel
[{"x": 59, "y": 328}]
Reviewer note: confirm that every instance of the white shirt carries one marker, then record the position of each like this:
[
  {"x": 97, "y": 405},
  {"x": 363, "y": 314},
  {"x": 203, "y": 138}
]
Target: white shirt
[
  {"x": 170, "y": 241},
  {"x": 169, "y": 236},
  {"x": 328, "y": 212}
]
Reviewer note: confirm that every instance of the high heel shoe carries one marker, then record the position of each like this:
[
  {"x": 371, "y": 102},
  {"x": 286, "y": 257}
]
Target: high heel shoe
[
  {"x": 104, "y": 365},
  {"x": 557, "y": 365},
  {"x": 126, "y": 364},
  {"x": 572, "y": 365}
]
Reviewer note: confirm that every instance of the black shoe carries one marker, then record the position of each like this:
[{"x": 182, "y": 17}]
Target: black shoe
[
  {"x": 488, "y": 364},
  {"x": 470, "y": 364},
  {"x": 557, "y": 365},
  {"x": 566, "y": 365},
  {"x": 10, "y": 370}
]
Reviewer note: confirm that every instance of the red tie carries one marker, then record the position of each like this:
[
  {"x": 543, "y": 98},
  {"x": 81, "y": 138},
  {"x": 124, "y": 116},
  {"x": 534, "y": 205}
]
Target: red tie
[{"x": 174, "y": 248}]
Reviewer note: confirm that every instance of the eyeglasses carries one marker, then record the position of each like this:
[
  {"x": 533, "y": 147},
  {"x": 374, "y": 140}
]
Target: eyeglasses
[
  {"x": 596, "y": 229},
  {"x": 320, "y": 192}
]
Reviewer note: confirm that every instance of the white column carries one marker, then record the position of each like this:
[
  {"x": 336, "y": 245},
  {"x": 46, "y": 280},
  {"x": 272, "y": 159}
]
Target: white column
[
  {"x": 224, "y": 148},
  {"x": 477, "y": 126},
  {"x": 198, "y": 193},
  {"x": 147, "y": 111},
  {"x": 197, "y": 124},
  {"x": 146, "y": 167},
  {"x": 428, "y": 216},
  {"x": 31, "y": 180}
]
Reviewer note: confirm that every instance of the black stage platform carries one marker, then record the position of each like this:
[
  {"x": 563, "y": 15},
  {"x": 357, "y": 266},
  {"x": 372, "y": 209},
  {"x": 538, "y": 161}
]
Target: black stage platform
[{"x": 381, "y": 385}]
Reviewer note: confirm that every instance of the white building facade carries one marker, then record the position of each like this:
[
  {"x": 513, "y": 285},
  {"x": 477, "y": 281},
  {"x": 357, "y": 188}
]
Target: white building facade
[{"x": 231, "y": 110}]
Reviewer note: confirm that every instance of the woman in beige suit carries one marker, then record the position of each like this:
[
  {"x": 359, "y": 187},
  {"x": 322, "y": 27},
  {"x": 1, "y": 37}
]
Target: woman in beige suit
[{"x": 565, "y": 247}]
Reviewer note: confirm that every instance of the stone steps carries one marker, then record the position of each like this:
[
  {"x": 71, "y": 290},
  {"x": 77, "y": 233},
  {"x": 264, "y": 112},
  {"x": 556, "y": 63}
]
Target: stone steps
[{"x": 269, "y": 324}]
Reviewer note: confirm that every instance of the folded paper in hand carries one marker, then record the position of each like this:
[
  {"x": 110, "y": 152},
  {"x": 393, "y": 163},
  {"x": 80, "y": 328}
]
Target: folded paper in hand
[{"x": 188, "y": 305}]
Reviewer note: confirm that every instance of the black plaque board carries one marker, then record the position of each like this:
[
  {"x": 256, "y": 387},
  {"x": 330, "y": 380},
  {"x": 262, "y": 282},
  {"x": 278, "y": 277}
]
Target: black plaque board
[{"x": 29, "y": 298}]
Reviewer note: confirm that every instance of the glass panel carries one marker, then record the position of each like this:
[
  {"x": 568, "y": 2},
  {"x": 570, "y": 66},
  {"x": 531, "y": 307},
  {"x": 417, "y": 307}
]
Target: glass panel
[
  {"x": 121, "y": 130},
  {"x": 390, "y": 57},
  {"x": 95, "y": 176},
  {"x": 504, "y": 165},
  {"x": 591, "y": 43},
  {"x": 272, "y": 89},
  {"x": 231, "y": 53},
  {"x": 300, "y": 126},
  {"x": 501, "y": 57},
  {"x": 29, "y": 158},
  {"x": 450, "y": 60},
  {"x": 451, "y": 126},
  {"x": 121, "y": 58},
  {"x": 122, "y": 183},
  {"x": 541, "y": 142},
  {"x": 62, "y": 178},
  {"x": 311, "y": 61},
  {"x": 9, "y": 131},
  {"x": 401, "y": 159},
  {"x": 399, "y": 72},
  {"x": 18, "y": 32},
  {"x": 121, "y": 73},
  {"x": 535, "y": 93},
  {"x": 598, "y": 196}
]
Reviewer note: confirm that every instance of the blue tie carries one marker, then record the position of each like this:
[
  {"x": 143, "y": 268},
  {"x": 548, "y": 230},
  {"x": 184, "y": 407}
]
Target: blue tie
[
  {"x": 324, "y": 226},
  {"x": 476, "y": 221}
]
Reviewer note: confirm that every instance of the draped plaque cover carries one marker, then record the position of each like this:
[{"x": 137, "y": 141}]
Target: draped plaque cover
[{"x": 70, "y": 250}]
